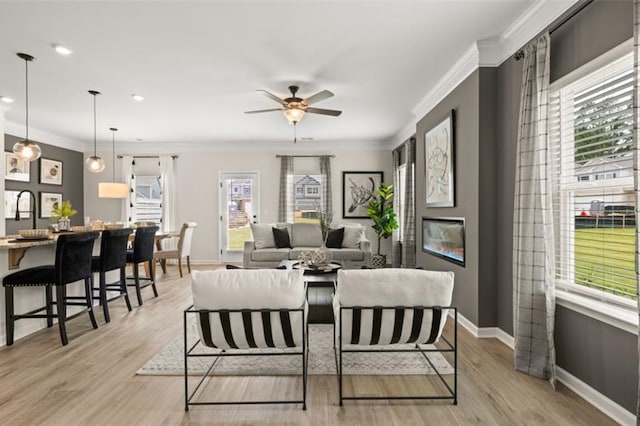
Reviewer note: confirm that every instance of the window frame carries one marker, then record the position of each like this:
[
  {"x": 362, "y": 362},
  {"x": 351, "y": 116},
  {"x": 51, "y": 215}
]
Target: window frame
[{"x": 612, "y": 309}]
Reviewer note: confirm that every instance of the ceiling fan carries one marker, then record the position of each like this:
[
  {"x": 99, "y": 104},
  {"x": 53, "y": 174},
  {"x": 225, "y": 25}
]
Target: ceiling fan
[{"x": 295, "y": 108}]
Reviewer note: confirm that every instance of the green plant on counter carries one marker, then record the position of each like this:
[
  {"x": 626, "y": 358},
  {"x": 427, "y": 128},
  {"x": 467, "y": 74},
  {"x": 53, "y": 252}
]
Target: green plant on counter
[{"x": 63, "y": 211}]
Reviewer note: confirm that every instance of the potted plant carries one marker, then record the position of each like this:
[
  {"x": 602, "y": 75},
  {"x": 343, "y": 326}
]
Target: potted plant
[
  {"x": 380, "y": 210},
  {"x": 62, "y": 213}
]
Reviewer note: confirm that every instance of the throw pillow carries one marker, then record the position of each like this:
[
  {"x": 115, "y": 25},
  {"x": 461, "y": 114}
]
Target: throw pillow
[
  {"x": 353, "y": 235},
  {"x": 281, "y": 237},
  {"x": 335, "y": 237},
  {"x": 263, "y": 235}
]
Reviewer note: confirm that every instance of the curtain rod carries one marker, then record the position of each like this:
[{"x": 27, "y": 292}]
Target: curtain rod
[
  {"x": 520, "y": 53},
  {"x": 146, "y": 156},
  {"x": 303, "y": 156}
]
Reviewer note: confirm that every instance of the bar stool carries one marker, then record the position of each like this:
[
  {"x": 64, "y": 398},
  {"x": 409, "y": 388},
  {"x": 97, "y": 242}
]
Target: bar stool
[
  {"x": 113, "y": 256},
  {"x": 72, "y": 263},
  {"x": 142, "y": 252}
]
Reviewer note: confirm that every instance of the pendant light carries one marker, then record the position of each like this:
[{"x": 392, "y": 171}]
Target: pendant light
[
  {"x": 113, "y": 189},
  {"x": 94, "y": 163},
  {"x": 26, "y": 150}
]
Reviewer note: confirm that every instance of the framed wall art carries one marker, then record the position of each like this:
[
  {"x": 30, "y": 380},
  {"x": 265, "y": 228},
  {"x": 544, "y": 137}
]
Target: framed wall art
[
  {"x": 439, "y": 164},
  {"x": 16, "y": 168},
  {"x": 47, "y": 201},
  {"x": 357, "y": 190},
  {"x": 11, "y": 201},
  {"x": 50, "y": 171}
]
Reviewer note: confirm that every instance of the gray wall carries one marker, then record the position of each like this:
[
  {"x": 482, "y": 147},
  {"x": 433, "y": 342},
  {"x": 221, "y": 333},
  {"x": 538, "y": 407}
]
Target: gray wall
[
  {"x": 602, "y": 356},
  {"x": 72, "y": 183},
  {"x": 464, "y": 99}
]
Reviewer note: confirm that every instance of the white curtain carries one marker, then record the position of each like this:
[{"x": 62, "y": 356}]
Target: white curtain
[
  {"x": 533, "y": 239},
  {"x": 327, "y": 194},
  {"x": 168, "y": 185},
  {"x": 130, "y": 180},
  {"x": 409, "y": 232},
  {"x": 396, "y": 249}
]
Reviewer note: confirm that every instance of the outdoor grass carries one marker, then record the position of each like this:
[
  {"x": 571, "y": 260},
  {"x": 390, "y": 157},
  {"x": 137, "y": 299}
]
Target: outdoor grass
[
  {"x": 615, "y": 272},
  {"x": 237, "y": 237}
]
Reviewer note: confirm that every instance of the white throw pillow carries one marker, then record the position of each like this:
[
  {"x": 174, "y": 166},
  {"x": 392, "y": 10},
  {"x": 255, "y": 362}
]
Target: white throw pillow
[
  {"x": 353, "y": 236},
  {"x": 263, "y": 235}
]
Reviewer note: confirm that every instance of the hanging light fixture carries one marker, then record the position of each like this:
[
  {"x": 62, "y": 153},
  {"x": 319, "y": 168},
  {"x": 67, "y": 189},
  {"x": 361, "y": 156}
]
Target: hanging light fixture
[
  {"x": 26, "y": 150},
  {"x": 113, "y": 189},
  {"x": 94, "y": 163}
]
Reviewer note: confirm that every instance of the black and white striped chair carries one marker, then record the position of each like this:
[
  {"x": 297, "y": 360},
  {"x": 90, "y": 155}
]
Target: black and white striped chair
[
  {"x": 378, "y": 310},
  {"x": 239, "y": 312}
]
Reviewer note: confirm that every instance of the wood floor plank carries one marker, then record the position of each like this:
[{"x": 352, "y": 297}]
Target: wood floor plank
[{"x": 93, "y": 381}]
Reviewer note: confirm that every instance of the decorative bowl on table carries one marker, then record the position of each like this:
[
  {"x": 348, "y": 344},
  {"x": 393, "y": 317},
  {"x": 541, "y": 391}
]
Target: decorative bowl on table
[{"x": 34, "y": 234}]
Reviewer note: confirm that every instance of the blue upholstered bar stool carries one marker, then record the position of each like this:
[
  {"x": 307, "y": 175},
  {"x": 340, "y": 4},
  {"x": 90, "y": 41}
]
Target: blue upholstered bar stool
[
  {"x": 113, "y": 256},
  {"x": 142, "y": 252},
  {"x": 72, "y": 263}
]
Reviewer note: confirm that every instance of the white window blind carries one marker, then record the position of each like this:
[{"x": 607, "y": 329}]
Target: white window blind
[{"x": 591, "y": 134}]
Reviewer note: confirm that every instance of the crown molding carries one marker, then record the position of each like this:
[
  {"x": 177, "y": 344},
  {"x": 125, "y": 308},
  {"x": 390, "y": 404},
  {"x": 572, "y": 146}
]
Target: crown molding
[
  {"x": 405, "y": 133},
  {"x": 42, "y": 136}
]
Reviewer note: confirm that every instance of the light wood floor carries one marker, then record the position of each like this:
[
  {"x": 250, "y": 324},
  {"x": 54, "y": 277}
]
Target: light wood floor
[{"x": 93, "y": 381}]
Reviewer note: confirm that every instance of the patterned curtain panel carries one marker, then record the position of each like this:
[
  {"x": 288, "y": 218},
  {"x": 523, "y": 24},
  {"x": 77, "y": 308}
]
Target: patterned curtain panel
[
  {"x": 396, "y": 250},
  {"x": 636, "y": 154},
  {"x": 130, "y": 180},
  {"x": 285, "y": 200},
  {"x": 409, "y": 231},
  {"x": 327, "y": 195},
  {"x": 533, "y": 239}
]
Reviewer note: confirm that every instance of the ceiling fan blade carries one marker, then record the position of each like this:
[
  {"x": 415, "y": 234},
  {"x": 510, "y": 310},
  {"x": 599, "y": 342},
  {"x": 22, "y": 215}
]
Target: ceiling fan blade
[
  {"x": 272, "y": 96},
  {"x": 320, "y": 96},
  {"x": 322, "y": 111},
  {"x": 263, "y": 110}
]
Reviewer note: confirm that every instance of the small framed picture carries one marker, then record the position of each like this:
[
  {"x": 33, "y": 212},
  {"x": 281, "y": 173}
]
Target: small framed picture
[
  {"x": 358, "y": 188},
  {"x": 48, "y": 200},
  {"x": 16, "y": 168},
  {"x": 50, "y": 171},
  {"x": 11, "y": 202}
]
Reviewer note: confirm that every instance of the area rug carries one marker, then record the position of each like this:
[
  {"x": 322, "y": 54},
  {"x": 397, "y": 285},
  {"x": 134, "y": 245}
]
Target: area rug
[{"x": 170, "y": 361}]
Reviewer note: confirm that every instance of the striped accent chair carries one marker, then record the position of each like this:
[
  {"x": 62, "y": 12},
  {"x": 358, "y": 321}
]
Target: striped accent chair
[
  {"x": 240, "y": 312},
  {"x": 395, "y": 310}
]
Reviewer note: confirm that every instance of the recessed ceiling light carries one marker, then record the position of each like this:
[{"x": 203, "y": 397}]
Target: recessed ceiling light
[
  {"x": 63, "y": 50},
  {"x": 137, "y": 98},
  {"x": 6, "y": 100}
]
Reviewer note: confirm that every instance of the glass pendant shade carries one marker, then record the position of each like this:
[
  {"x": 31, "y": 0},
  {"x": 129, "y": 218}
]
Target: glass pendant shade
[
  {"x": 113, "y": 190},
  {"x": 27, "y": 150},
  {"x": 294, "y": 114},
  {"x": 95, "y": 164}
]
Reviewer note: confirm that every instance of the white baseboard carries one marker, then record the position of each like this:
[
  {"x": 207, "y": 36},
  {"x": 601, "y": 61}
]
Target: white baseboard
[{"x": 583, "y": 390}]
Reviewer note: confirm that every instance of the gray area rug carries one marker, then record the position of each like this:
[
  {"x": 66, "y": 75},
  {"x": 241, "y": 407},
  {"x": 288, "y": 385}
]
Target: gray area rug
[{"x": 170, "y": 360}]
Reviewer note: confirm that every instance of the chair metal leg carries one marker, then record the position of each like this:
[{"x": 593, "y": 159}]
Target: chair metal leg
[
  {"x": 88, "y": 288},
  {"x": 189, "y": 263},
  {"x": 103, "y": 296},
  {"x": 61, "y": 307},
  {"x": 180, "y": 266},
  {"x": 123, "y": 287},
  {"x": 9, "y": 323},
  {"x": 48, "y": 291},
  {"x": 136, "y": 279},
  {"x": 153, "y": 278}
]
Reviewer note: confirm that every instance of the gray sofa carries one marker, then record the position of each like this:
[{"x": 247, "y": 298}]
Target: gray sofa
[{"x": 263, "y": 253}]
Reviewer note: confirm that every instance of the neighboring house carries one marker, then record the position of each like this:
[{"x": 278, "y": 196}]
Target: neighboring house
[
  {"x": 604, "y": 182},
  {"x": 307, "y": 193}
]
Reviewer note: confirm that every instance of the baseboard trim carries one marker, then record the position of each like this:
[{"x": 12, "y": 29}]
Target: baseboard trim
[{"x": 583, "y": 390}]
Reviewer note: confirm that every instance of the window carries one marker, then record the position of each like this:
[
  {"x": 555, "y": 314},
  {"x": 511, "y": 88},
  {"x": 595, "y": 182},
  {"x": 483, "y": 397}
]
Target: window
[
  {"x": 591, "y": 134},
  {"x": 148, "y": 199},
  {"x": 307, "y": 191}
]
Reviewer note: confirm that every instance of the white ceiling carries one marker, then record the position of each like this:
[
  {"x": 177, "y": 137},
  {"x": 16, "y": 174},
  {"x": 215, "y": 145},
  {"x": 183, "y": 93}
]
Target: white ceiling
[{"x": 198, "y": 64}]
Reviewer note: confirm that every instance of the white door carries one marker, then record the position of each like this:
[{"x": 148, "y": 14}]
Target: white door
[{"x": 239, "y": 207}]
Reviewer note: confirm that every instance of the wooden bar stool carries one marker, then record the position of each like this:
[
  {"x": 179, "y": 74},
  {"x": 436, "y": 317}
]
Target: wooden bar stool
[
  {"x": 72, "y": 263},
  {"x": 113, "y": 256}
]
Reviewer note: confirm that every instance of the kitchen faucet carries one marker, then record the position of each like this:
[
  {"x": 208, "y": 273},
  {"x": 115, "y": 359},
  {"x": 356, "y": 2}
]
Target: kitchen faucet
[{"x": 32, "y": 210}]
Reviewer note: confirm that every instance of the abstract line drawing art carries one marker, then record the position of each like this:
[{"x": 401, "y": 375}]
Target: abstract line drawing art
[
  {"x": 438, "y": 143},
  {"x": 358, "y": 189}
]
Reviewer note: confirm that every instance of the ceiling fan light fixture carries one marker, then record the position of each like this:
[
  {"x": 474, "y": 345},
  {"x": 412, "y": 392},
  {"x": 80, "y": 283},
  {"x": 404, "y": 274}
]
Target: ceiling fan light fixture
[{"x": 294, "y": 115}]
